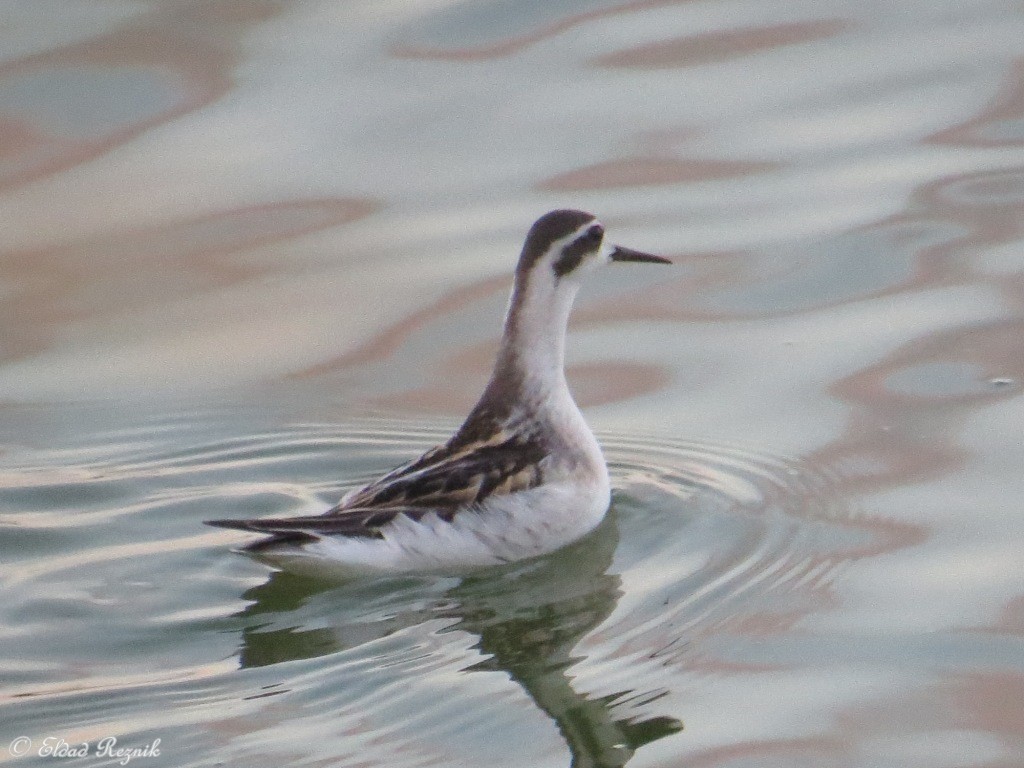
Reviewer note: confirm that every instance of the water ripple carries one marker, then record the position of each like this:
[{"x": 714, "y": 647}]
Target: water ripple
[{"x": 597, "y": 639}]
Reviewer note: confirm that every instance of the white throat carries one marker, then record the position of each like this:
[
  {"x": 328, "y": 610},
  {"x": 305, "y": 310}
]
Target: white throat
[
  {"x": 532, "y": 352},
  {"x": 534, "y": 337}
]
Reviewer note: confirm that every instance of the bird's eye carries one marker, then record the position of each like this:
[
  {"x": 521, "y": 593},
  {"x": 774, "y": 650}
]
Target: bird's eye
[{"x": 574, "y": 253}]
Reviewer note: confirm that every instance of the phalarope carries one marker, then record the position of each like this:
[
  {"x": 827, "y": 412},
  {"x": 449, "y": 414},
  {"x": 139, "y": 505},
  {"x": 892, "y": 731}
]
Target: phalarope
[{"x": 522, "y": 476}]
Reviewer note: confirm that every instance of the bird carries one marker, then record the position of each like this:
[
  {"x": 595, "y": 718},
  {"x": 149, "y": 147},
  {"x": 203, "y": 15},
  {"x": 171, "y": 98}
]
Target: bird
[{"x": 521, "y": 477}]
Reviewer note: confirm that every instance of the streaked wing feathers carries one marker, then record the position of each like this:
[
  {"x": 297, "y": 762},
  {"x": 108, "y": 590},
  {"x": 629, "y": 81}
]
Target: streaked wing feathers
[
  {"x": 446, "y": 479},
  {"x": 442, "y": 481}
]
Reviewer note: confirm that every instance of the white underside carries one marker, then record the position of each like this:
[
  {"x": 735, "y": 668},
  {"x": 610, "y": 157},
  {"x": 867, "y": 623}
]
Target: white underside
[{"x": 501, "y": 530}]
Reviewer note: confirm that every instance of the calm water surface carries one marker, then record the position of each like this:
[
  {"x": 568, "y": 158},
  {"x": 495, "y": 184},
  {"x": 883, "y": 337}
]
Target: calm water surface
[{"x": 255, "y": 252}]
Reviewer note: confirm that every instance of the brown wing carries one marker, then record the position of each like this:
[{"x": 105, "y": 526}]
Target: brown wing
[
  {"x": 448, "y": 479},
  {"x": 442, "y": 481}
]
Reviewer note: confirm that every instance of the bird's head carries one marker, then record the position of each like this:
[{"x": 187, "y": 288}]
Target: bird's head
[{"x": 564, "y": 245}]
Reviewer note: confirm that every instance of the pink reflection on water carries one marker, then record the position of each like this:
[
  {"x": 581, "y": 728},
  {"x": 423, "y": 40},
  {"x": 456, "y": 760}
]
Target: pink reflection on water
[
  {"x": 909, "y": 405},
  {"x": 1001, "y": 123},
  {"x": 66, "y": 106},
  {"x": 708, "y": 47},
  {"x": 649, "y": 171},
  {"x": 592, "y": 384},
  {"x": 896, "y": 436},
  {"x": 453, "y": 378},
  {"x": 57, "y": 288},
  {"x": 795, "y": 752},
  {"x": 387, "y": 341},
  {"x": 516, "y": 43}
]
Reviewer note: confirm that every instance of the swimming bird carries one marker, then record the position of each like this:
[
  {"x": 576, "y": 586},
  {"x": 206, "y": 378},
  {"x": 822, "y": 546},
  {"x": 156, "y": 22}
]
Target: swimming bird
[{"x": 522, "y": 476}]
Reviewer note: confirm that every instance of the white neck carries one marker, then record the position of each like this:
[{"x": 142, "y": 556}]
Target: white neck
[
  {"x": 532, "y": 354},
  {"x": 529, "y": 374}
]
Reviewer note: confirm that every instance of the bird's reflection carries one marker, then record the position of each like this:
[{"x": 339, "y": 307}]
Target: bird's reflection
[{"x": 528, "y": 619}]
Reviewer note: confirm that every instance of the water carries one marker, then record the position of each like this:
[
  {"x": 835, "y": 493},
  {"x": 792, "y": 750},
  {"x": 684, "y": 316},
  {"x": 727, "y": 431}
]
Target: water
[{"x": 255, "y": 253}]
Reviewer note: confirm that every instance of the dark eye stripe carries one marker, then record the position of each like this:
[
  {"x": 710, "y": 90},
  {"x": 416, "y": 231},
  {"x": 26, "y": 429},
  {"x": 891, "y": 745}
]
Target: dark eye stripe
[
  {"x": 546, "y": 230},
  {"x": 573, "y": 253}
]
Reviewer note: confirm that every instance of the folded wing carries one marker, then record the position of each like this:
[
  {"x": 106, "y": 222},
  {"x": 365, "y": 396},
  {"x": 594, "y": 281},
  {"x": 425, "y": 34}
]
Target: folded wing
[{"x": 443, "y": 481}]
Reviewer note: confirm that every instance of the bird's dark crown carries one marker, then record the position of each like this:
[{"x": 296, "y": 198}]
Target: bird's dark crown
[{"x": 546, "y": 230}]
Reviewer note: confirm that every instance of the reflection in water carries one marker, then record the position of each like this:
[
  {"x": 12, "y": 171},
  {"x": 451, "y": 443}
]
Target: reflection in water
[
  {"x": 709, "y": 47},
  {"x": 1001, "y": 123},
  {"x": 528, "y": 619},
  {"x": 90, "y": 282},
  {"x": 910, "y": 406},
  {"x": 67, "y": 105},
  {"x": 650, "y": 171},
  {"x": 387, "y": 341},
  {"x": 497, "y": 28}
]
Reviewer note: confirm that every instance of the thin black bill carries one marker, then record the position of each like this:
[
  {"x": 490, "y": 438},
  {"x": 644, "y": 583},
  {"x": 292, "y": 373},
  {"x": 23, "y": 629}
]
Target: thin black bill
[{"x": 628, "y": 254}]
